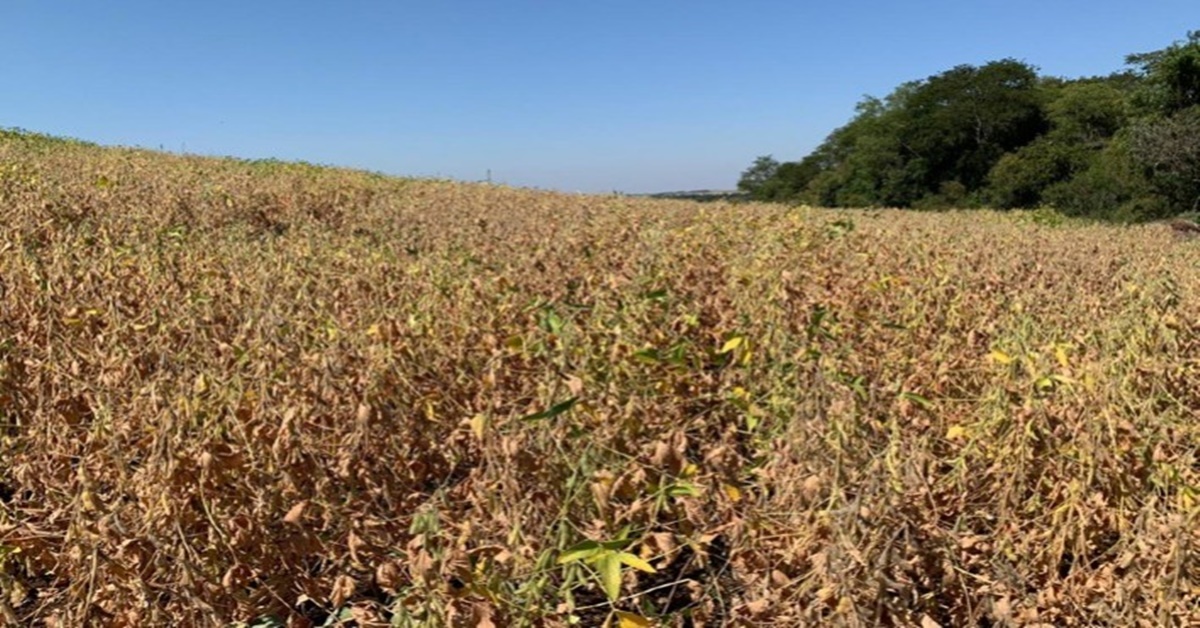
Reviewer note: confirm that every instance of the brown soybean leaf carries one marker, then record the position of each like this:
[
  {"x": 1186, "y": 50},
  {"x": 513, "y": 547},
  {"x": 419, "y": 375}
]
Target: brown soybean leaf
[
  {"x": 388, "y": 576},
  {"x": 664, "y": 542},
  {"x": 780, "y": 579},
  {"x": 355, "y": 543},
  {"x": 812, "y": 485},
  {"x": 366, "y": 616},
  {"x": 481, "y": 614},
  {"x": 758, "y": 607},
  {"x": 421, "y": 566},
  {"x": 1002, "y": 609},
  {"x": 235, "y": 577},
  {"x": 343, "y": 588},
  {"x": 296, "y": 513}
]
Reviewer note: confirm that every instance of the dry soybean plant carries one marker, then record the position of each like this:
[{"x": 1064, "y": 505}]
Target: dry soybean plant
[{"x": 267, "y": 394}]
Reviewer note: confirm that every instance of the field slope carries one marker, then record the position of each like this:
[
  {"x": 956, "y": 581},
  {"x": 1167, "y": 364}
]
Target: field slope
[{"x": 259, "y": 392}]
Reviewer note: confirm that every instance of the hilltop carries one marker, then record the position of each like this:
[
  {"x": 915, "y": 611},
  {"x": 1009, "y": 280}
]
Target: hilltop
[{"x": 702, "y": 195}]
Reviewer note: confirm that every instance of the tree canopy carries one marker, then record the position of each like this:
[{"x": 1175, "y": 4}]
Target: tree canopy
[{"x": 1124, "y": 146}]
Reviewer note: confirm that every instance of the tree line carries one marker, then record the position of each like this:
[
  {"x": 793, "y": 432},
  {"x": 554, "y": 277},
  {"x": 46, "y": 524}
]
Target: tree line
[{"x": 1122, "y": 147}]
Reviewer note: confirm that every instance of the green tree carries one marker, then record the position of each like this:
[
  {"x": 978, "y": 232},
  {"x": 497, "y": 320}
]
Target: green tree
[
  {"x": 754, "y": 180},
  {"x": 790, "y": 180},
  {"x": 1019, "y": 178},
  {"x": 1172, "y": 76},
  {"x": 1165, "y": 140},
  {"x": 1087, "y": 113},
  {"x": 929, "y": 142},
  {"x": 862, "y": 163},
  {"x": 1083, "y": 117},
  {"x": 1124, "y": 146},
  {"x": 1169, "y": 149},
  {"x": 1111, "y": 186},
  {"x": 959, "y": 123}
]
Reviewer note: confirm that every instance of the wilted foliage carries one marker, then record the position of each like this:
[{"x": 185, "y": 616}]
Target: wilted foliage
[{"x": 283, "y": 395}]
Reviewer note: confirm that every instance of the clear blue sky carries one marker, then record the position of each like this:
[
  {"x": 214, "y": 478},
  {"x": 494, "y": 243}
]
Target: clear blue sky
[{"x": 635, "y": 96}]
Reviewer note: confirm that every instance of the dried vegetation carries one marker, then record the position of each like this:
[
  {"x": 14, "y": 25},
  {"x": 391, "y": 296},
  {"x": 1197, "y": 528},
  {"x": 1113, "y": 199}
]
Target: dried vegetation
[{"x": 283, "y": 395}]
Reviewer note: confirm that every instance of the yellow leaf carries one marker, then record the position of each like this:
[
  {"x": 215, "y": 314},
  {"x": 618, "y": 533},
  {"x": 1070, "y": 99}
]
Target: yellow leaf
[
  {"x": 1187, "y": 501},
  {"x": 610, "y": 574},
  {"x": 1001, "y": 357},
  {"x": 89, "y": 500},
  {"x": 629, "y": 620},
  {"x": 586, "y": 550},
  {"x": 1060, "y": 352},
  {"x": 1062, "y": 379},
  {"x": 956, "y": 432},
  {"x": 477, "y": 423},
  {"x": 733, "y": 492},
  {"x": 636, "y": 562},
  {"x": 732, "y": 344}
]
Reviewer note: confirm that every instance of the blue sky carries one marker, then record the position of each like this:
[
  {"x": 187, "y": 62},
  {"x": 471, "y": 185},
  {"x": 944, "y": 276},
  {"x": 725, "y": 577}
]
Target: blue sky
[{"x": 621, "y": 95}]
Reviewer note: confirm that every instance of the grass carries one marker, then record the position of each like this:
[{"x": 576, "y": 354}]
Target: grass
[{"x": 258, "y": 393}]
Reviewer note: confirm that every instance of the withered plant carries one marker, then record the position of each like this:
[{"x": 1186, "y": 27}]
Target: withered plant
[{"x": 256, "y": 393}]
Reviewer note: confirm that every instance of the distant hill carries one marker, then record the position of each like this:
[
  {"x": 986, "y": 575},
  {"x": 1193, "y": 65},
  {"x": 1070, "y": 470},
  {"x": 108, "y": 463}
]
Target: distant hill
[{"x": 701, "y": 195}]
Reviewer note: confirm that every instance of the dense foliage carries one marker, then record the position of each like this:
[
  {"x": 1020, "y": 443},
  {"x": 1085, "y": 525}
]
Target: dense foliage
[
  {"x": 265, "y": 394},
  {"x": 1124, "y": 146}
]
